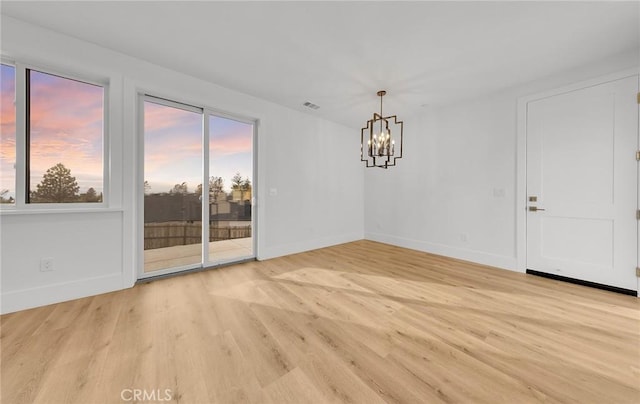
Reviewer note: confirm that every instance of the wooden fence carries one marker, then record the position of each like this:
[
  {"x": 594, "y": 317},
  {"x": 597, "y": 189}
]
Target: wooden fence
[{"x": 169, "y": 234}]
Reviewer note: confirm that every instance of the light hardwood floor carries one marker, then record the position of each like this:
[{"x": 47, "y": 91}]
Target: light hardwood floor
[{"x": 356, "y": 323}]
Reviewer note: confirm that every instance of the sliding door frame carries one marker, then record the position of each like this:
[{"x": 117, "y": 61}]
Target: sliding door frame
[{"x": 206, "y": 112}]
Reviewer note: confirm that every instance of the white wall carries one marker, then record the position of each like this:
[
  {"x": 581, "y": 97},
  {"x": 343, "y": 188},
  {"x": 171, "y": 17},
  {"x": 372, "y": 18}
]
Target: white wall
[
  {"x": 87, "y": 252},
  {"x": 455, "y": 191},
  {"x": 311, "y": 162}
]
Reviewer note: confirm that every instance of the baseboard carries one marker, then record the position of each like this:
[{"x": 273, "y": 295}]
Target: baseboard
[
  {"x": 498, "y": 261},
  {"x": 266, "y": 253},
  {"x": 595, "y": 285},
  {"x": 59, "y": 292}
]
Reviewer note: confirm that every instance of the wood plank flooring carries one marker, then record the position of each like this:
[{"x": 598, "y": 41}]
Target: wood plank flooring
[{"x": 357, "y": 323}]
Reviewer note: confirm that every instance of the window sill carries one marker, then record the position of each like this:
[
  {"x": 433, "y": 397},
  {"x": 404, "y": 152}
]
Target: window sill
[{"x": 45, "y": 211}]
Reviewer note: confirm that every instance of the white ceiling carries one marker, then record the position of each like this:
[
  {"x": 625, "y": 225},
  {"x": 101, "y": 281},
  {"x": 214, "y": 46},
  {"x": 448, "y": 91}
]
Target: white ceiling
[{"x": 338, "y": 54}]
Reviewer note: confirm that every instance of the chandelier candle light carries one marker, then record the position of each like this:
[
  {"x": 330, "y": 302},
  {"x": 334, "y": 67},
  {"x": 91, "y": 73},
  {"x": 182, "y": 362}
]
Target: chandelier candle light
[{"x": 380, "y": 146}]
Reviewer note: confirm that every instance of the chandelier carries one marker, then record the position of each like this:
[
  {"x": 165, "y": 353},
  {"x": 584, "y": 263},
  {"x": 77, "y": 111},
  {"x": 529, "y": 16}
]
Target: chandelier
[{"x": 379, "y": 150}]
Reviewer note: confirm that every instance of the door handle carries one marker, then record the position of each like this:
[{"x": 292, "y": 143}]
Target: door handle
[{"x": 534, "y": 209}]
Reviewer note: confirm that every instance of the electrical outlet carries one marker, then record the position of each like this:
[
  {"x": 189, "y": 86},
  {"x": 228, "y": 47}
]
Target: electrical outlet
[{"x": 46, "y": 264}]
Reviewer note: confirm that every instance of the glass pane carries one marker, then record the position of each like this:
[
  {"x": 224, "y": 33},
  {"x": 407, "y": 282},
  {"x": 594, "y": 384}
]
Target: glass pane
[
  {"x": 172, "y": 196},
  {"x": 231, "y": 169},
  {"x": 7, "y": 135},
  {"x": 66, "y": 121}
]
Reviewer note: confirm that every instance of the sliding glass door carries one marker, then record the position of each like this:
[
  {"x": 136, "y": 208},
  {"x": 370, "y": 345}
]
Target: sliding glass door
[
  {"x": 230, "y": 189},
  {"x": 172, "y": 172},
  {"x": 183, "y": 229}
]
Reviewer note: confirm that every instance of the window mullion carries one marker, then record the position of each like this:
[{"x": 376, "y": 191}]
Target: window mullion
[
  {"x": 205, "y": 188},
  {"x": 21, "y": 136}
]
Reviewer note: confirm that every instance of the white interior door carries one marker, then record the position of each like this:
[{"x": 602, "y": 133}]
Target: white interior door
[{"x": 582, "y": 184}]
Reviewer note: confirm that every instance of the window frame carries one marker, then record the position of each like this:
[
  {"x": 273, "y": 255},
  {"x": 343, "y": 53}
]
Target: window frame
[
  {"x": 22, "y": 138},
  {"x": 12, "y": 206}
]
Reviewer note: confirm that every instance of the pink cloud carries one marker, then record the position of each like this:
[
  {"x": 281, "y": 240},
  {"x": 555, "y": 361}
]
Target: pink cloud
[
  {"x": 160, "y": 156},
  {"x": 225, "y": 146},
  {"x": 172, "y": 139},
  {"x": 8, "y": 148},
  {"x": 157, "y": 117},
  {"x": 75, "y": 154},
  {"x": 66, "y": 106},
  {"x": 7, "y": 127},
  {"x": 66, "y": 126},
  {"x": 7, "y": 110}
]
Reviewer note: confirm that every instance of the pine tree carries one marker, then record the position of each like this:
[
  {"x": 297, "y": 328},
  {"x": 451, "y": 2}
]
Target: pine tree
[
  {"x": 236, "y": 181},
  {"x": 57, "y": 185},
  {"x": 91, "y": 195}
]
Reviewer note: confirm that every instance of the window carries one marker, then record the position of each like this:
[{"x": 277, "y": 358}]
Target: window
[
  {"x": 7, "y": 134},
  {"x": 52, "y": 141},
  {"x": 65, "y": 127}
]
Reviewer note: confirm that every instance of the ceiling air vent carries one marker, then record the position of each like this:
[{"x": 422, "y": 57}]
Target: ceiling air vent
[{"x": 311, "y": 105}]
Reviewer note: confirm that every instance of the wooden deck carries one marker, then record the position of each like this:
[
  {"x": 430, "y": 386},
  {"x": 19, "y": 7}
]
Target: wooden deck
[
  {"x": 171, "y": 257},
  {"x": 357, "y": 323}
]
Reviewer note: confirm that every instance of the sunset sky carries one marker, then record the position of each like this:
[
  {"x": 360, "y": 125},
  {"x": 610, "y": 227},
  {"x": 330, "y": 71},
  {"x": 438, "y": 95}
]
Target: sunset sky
[
  {"x": 7, "y": 129},
  {"x": 173, "y": 148},
  {"x": 230, "y": 149},
  {"x": 66, "y": 127},
  {"x": 67, "y": 120},
  {"x": 67, "y": 123}
]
